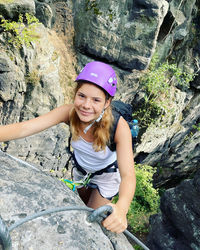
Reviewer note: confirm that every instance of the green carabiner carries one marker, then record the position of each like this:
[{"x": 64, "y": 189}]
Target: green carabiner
[{"x": 72, "y": 185}]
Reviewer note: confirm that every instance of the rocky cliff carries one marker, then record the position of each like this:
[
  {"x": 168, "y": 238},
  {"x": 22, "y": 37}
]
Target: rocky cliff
[
  {"x": 34, "y": 80},
  {"x": 26, "y": 190},
  {"x": 178, "y": 225},
  {"x": 125, "y": 34}
]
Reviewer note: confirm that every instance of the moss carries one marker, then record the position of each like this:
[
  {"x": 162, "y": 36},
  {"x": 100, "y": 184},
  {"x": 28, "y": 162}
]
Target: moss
[
  {"x": 55, "y": 56},
  {"x": 6, "y": 1},
  {"x": 33, "y": 77}
]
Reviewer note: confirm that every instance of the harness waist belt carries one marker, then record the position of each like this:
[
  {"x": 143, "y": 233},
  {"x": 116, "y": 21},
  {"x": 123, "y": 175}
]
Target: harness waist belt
[{"x": 109, "y": 169}]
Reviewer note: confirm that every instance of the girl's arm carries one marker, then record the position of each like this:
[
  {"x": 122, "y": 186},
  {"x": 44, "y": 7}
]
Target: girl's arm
[
  {"x": 117, "y": 221},
  {"x": 35, "y": 125}
]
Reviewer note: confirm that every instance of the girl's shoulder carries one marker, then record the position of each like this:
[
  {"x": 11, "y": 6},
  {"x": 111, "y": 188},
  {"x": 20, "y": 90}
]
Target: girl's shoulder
[{"x": 64, "y": 112}]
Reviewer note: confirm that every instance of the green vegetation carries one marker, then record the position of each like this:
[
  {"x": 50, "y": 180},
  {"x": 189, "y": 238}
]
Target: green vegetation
[
  {"x": 196, "y": 127},
  {"x": 157, "y": 84},
  {"x": 146, "y": 200},
  {"x": 33, "y": 77},
  {"x": 6, "y": 1},
  {"x": 55, "y": 56},
  {"x": 189, "y": 136},
  {"x": 111, "y": 15},
  {"x": 22, "y": 32},
  {"x": 92, "y": 5}
]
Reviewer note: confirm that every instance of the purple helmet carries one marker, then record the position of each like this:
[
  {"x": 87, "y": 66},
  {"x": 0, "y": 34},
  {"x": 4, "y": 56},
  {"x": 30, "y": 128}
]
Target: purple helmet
[{"x": 100, "y": 74}]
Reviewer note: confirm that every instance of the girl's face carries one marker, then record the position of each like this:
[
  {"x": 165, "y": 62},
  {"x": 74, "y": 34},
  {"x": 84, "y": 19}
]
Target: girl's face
[{"x": 89, "y": 102}]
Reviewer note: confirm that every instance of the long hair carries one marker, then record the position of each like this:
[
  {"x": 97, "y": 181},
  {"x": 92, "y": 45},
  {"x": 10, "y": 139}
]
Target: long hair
[{"x": 102, "y": 128}]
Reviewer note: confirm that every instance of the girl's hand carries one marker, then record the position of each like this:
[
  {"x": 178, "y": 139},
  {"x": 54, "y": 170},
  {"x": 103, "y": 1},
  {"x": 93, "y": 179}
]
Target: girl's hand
[{"x": 116, "y": 222}]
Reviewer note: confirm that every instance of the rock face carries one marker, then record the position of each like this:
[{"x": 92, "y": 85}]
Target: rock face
[
  {"x": 26, "y": 190},
  {"x": 33, "y": 81},
  {"x": 125, "y": 34},
  {"x": 178, "y": 225},
  {"x": 12, "y": 8},
  {"x": 174, "y": 150},
  {"x": 113, "y": 30},
  {"x": 27, "y": 95},
  {"x": 174, "y": 147}
]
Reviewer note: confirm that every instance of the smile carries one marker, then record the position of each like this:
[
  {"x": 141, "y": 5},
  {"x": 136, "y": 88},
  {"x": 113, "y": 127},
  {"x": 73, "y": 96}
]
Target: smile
[{"x": 85, "y": 113}]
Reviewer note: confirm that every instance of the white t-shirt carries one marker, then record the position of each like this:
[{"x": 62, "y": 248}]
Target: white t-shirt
[{"x": 90, "y": 160}]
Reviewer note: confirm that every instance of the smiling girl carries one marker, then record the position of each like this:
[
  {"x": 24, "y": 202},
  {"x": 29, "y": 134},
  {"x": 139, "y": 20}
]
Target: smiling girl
[{"x": 92, "y": 122}]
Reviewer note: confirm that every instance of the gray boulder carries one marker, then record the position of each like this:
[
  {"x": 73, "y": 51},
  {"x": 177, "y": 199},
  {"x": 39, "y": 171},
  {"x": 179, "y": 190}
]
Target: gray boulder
[
  {"x": 26, "y": 190},
  {"x": 178, "y": 225},
  {"x": 44, "y": 13},
  {"x": 121, "y": 32}
]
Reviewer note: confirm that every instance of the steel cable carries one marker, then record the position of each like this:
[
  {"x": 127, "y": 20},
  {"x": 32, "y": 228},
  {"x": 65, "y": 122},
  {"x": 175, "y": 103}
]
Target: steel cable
[{"x": 96, "y": 215}]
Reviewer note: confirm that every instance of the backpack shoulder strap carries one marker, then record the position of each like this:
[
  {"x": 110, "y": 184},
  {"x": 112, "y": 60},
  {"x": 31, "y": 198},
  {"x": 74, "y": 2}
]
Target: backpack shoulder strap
[
  {"x": 68, "y": 149},
  {"x": 112, "y": 144}
]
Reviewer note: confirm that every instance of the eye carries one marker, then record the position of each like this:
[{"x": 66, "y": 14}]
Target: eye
[
  {"x": 97, "y": 100},
  {"x": 81, "y": 95}
]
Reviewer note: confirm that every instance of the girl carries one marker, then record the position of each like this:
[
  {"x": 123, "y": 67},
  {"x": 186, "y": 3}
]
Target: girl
[{"x": 91, "y": 123}]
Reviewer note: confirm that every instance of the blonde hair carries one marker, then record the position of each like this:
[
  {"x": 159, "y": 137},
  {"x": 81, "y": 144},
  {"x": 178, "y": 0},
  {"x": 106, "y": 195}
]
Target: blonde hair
[{"x": 102, "y": 129}]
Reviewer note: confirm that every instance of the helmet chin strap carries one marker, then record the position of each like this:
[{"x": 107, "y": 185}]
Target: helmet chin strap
[{"x": 97, "y": 120}]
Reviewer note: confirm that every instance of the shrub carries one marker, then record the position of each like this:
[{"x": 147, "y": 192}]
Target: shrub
[
  {"x": 145, "y": 202},
  {"x": 156, "y": 84},
  {"x": 146, "y": 199},
  {"x": 22, "y": 32}
]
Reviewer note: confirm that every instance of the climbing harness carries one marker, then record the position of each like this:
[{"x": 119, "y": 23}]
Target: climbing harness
[
  {"x": 95, "y": 215},
  {"x": 82, "y": 183},
  {"x": 87, "y": 176},
  {"x": 111, "y": 168}
]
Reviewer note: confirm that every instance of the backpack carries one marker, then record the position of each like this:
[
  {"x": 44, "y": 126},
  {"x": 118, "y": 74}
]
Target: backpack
[{"x": 125, "y": 110}]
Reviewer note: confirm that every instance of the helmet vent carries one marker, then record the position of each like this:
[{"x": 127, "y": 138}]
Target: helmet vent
[
  {"x": 110, "y": 80},
  {"x": 94, "y": 74}
]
